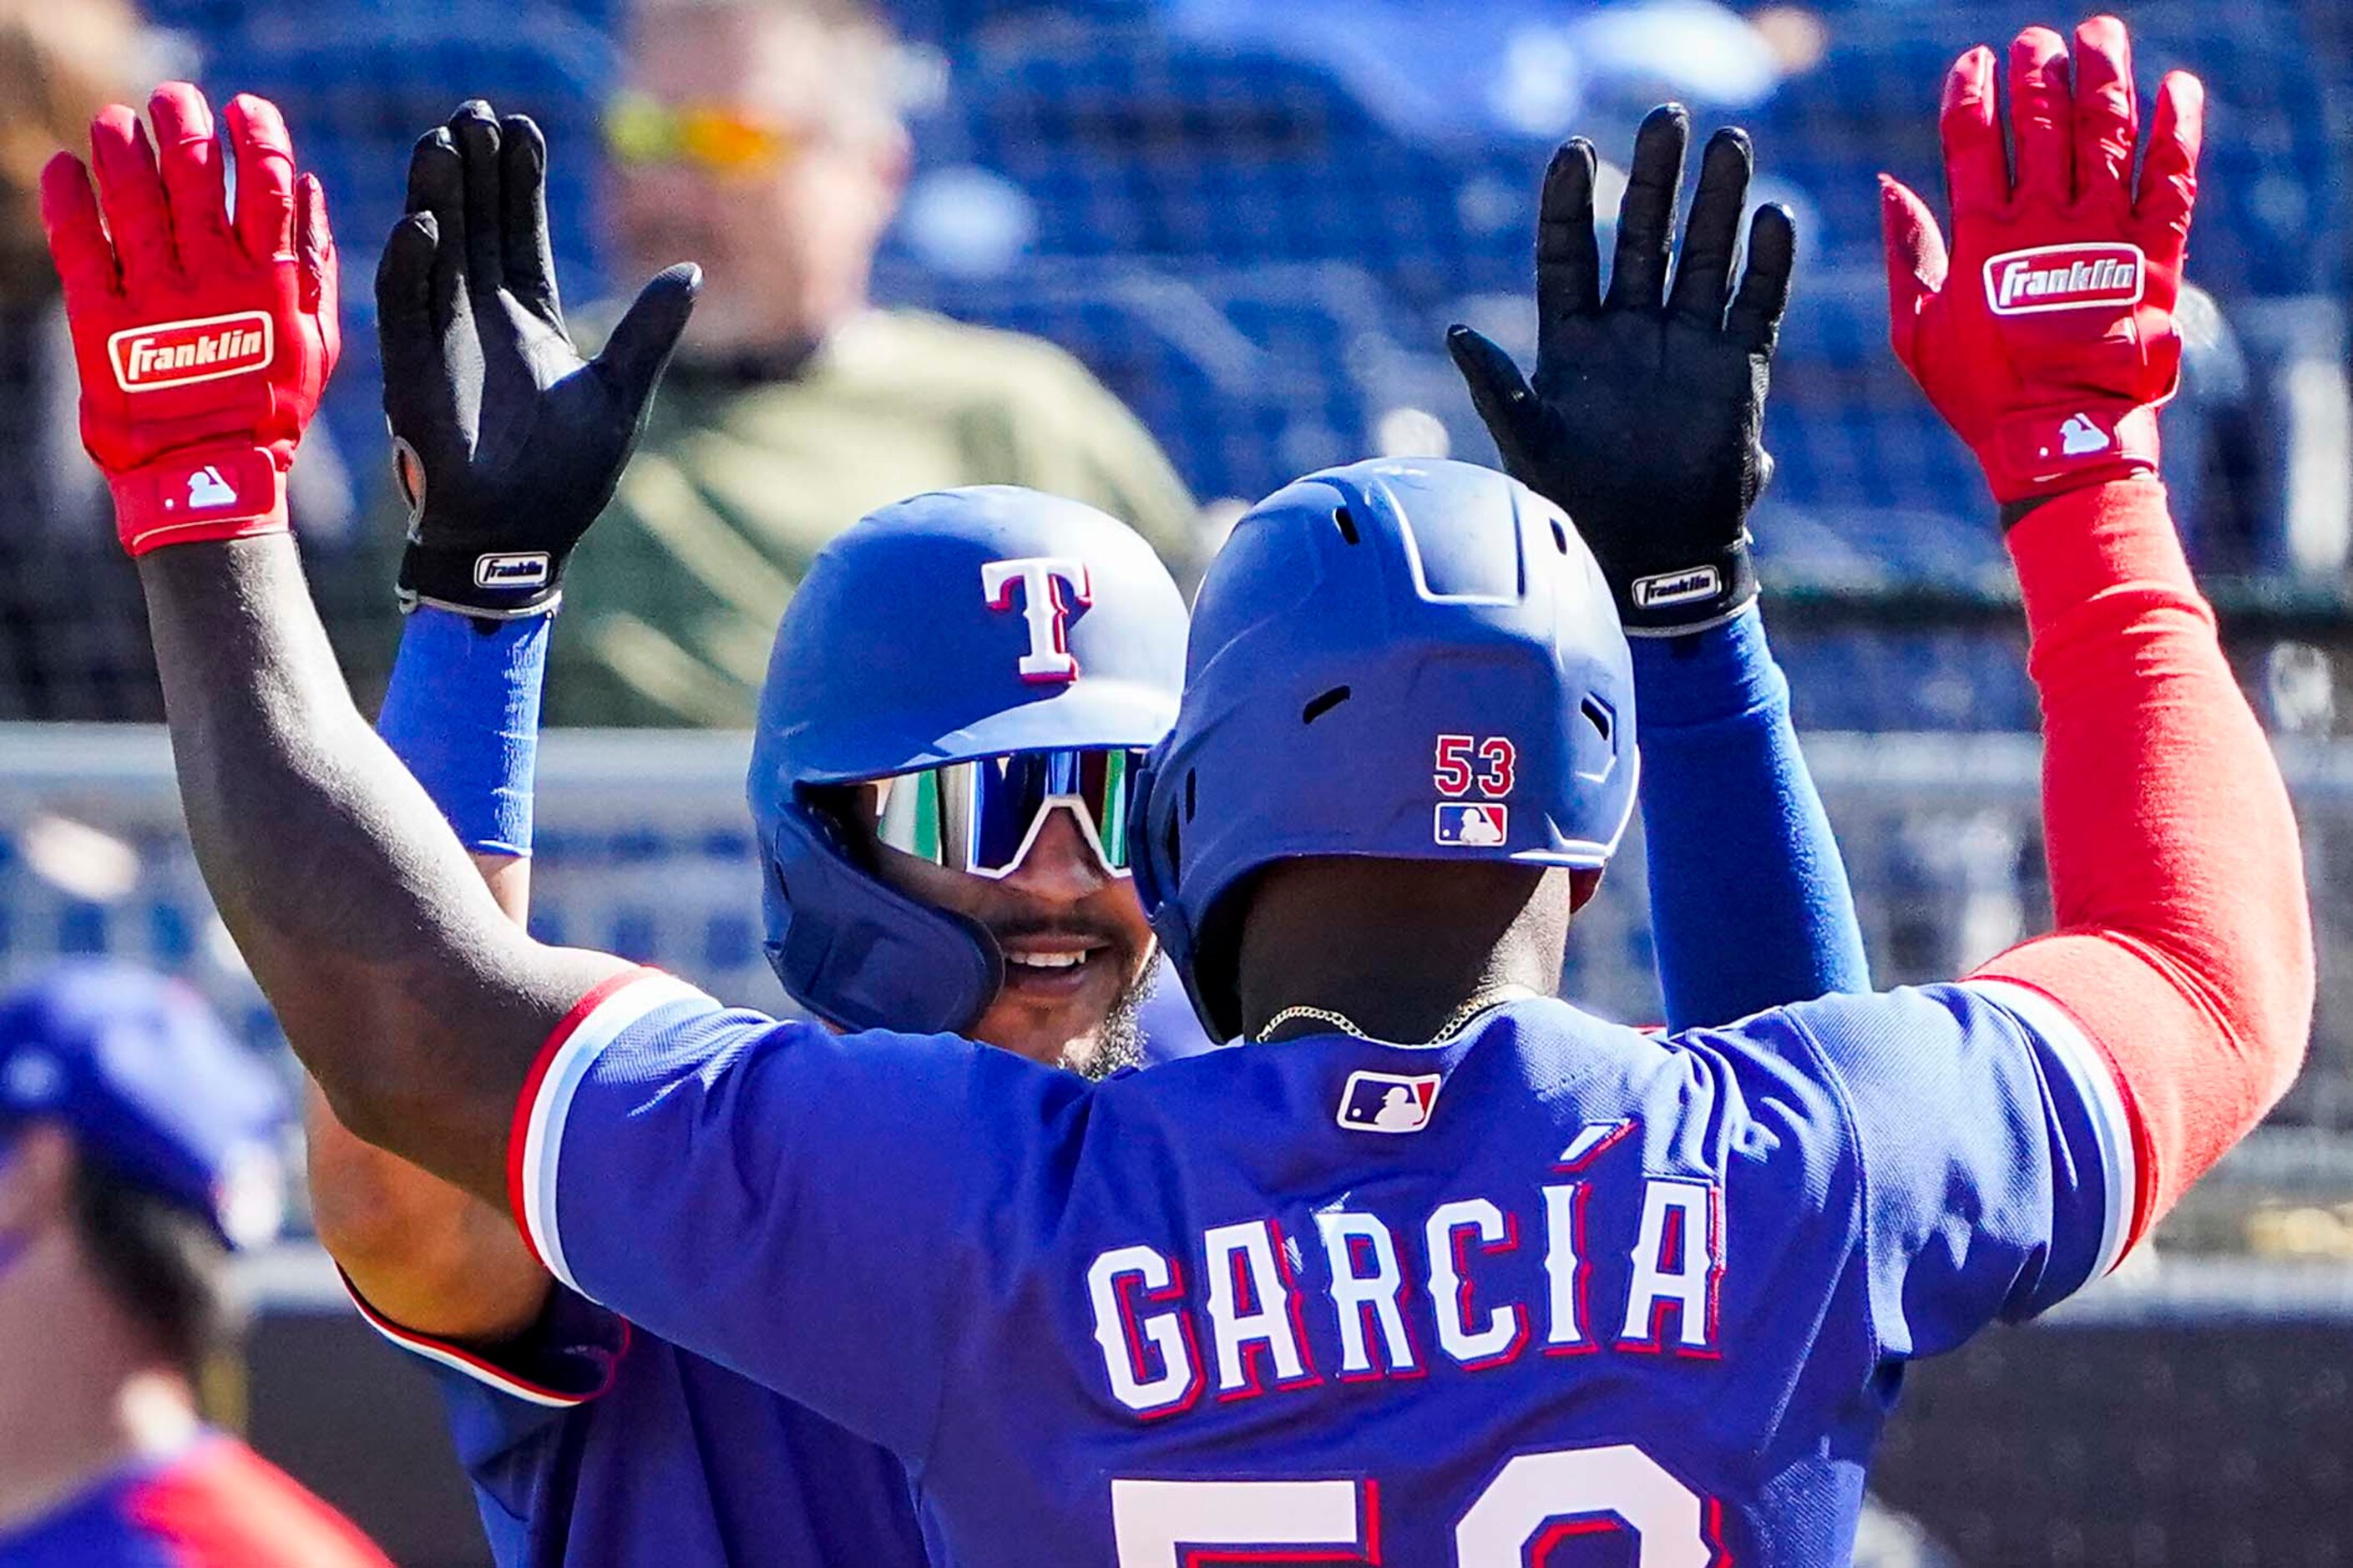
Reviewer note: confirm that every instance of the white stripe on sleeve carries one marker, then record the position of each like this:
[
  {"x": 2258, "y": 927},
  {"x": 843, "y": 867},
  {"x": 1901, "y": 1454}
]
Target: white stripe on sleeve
[
  {"x": 543, "y": 1137},
  {"x": 2096, "y": 1086}
]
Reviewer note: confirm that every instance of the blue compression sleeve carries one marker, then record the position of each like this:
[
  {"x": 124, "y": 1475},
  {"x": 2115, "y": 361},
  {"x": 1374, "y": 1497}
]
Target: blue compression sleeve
[
  {"x": 1749, "y": 902},
  {"x": 463, "y": 711}
]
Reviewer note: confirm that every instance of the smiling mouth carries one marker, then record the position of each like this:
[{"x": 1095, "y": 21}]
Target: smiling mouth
[
  {"x": 1047, "y": 963},
  {"x": 1054, "y": 972}
]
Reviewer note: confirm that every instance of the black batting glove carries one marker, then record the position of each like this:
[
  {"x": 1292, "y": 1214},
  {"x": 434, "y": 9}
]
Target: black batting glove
[
  {"x": 507, "y": 444},
  {"x": 1646, "y": 420}
]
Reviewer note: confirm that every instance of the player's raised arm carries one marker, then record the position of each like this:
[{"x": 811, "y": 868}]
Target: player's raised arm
[
  {"x": 2046, "y": 336},
  {"x": 204, "y": 340},
  {"x": 505, "y": 456},
  {"x": 1645, "y": 424}
]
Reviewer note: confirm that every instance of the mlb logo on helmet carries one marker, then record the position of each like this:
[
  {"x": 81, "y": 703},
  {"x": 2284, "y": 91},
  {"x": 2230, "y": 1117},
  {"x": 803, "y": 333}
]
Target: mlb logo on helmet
[
  {"x": 1473, "y": 825},
  {"x": 180, "y": 354},
  {"x": 1387, "y": 1102},
  {"x": 2064, "y": 278}
]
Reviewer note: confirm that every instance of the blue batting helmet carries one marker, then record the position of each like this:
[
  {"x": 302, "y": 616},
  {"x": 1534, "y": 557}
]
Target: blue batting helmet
[
  {"x": 139, "y": 1070},
  {"x": 1409, "y": 658},
  {"x": 953, "y": 626}
]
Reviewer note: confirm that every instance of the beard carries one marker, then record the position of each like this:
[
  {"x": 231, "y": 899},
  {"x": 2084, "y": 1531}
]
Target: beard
[{"x": 1119, "y": 1043}]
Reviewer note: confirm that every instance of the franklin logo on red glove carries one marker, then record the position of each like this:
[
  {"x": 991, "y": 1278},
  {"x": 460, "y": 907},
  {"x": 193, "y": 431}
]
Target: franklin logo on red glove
[
  {"x": 178, "y": 353},
  {"x": 2045, "y": 335},
  {"x": 2064, "y": 277},
  {"x": 203, "y": 332}
]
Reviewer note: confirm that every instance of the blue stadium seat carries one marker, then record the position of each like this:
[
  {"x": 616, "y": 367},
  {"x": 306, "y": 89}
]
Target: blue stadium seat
[
  {"x": 2271, "y": 215},
  {"x": 1902, "y": 680},
  {"x": 1242, "y": 375},
  {"x": 1131, "y": 143}
]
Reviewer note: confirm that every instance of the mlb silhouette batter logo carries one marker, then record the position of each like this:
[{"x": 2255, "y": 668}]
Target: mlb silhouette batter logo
[
  {"x": 1471, "y": 823},
  {"x": 1387, "y": 1102}
]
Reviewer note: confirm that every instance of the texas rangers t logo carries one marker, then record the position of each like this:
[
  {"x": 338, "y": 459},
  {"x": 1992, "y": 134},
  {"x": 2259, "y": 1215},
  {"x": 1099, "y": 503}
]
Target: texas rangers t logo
[{"x": 1052, "y": 587}]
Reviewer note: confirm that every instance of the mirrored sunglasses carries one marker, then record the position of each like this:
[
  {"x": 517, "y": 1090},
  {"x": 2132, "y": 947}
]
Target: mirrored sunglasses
[
  {"x": 642, "y": 130},
  {"x": 982, "y": 816}
]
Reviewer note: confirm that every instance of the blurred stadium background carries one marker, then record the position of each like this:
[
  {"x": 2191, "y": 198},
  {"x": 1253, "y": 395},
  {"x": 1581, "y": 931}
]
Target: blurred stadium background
[{"x": 1253, "y": 224}]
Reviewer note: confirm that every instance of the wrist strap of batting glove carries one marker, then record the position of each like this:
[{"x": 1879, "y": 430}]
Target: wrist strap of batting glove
[
  {"x": 1685, "y": 599},
  {"x": 492, "y": 584},
  {"x": 2040, "y": 452},
  {"x": 198, "y": 494}
]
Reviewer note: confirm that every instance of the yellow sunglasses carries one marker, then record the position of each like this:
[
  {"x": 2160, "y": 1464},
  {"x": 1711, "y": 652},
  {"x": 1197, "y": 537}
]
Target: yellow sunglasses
[{"x": 641, "y": 131}]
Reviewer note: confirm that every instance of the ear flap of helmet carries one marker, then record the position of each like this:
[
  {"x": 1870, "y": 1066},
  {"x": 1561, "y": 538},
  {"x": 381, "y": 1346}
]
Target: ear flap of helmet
[
  {"x": 1156, "y": 852},
  {"x": 862, "y": 955},
  {"x": 1155, "y": 880}
]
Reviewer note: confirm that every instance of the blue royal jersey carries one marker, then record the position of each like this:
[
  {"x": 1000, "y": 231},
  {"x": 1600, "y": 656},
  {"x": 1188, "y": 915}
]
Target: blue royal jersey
[
  {"x": 1552, "y": 1291},
  {"x": 588, "y": 1444},
  {"x": 591, "y": 1446}
]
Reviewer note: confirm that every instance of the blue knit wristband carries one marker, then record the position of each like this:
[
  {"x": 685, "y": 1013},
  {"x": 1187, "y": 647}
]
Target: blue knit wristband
[{"x": 462, "y": 712}]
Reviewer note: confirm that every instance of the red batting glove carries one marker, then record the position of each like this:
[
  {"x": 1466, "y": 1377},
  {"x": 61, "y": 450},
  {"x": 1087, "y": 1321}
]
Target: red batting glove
[
  {"x": 204, "y": 339},
  {"x": 2047, "y": 340}
]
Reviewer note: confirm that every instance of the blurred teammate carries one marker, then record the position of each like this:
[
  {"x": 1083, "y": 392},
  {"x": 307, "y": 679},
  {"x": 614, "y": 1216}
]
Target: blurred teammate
[
  {"x": 586, "y": 1444},
  {"x": 1611, "y": 1282},
  {"x": 137, "y": 1145},
  {"x": 764, "y": 139}
]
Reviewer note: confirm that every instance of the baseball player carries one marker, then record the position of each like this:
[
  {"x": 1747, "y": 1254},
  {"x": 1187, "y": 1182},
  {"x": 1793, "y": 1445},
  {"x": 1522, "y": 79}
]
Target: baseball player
[
  {"x": 583, "y": 1444},
  {"x": 1663, "y": 1287},
  {"x": 138, "y": 1147}
]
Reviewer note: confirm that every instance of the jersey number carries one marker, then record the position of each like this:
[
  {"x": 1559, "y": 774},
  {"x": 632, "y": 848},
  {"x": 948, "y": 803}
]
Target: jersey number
[{"x": 1536, "y": 1502}]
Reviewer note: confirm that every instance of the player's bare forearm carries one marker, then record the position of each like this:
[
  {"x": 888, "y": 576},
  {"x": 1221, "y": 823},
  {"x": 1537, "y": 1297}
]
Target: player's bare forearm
[
  {"x": 414, "y": 1004},
  {"x": 431, "y": 1257}
]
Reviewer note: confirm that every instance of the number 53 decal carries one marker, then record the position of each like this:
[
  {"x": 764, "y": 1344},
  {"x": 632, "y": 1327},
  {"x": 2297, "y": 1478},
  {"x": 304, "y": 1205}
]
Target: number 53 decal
[
  {"x": 1464, "y": 761},
  {"x": 1535, "y": 1503}
]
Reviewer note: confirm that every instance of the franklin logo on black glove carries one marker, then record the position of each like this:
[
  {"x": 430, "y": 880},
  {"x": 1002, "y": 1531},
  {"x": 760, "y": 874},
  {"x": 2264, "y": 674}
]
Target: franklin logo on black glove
[
  {"x": 529, "y": 570},
  {"x": 1678, "y": 587}
]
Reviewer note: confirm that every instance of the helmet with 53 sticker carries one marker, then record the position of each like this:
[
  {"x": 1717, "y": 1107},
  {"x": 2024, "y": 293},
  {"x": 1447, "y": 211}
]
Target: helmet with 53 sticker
[{"x": 1415, "y": 659}]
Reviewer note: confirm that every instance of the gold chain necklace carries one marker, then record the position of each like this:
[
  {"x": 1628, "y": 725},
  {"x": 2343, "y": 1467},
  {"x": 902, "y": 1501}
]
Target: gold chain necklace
[{"x": 1479, "y": 1002}]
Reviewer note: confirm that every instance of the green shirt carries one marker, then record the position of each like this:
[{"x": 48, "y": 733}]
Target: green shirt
[{"x": 671, "y": 603}]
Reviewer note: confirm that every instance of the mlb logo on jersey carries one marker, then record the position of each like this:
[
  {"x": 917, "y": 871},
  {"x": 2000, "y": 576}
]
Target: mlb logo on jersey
[
  {"x": 1387, "y": 1102},
  {"x": 1473, "y": 824}
]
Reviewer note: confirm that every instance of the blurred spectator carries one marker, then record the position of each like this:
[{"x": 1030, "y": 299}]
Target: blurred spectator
[
  {"x": 72, "y": 631},
  {"x": 137, "y": 1145},
  {"x": 761, "y": 138},
  {"x": 73, "y": 639}
]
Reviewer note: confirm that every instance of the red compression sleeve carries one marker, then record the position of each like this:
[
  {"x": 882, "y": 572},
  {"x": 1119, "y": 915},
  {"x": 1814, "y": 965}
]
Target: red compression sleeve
[{"x": 2184, "y": 944}]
